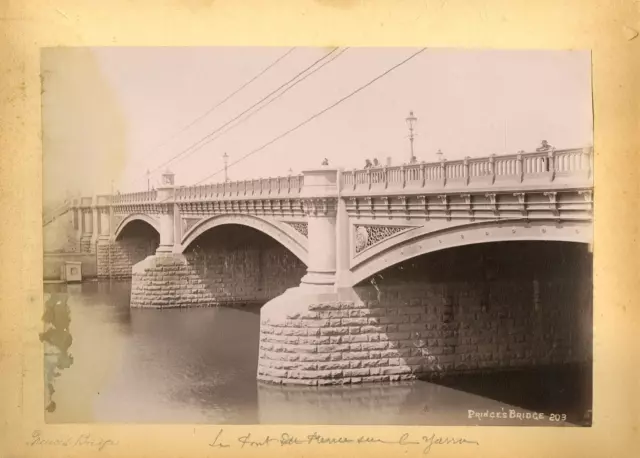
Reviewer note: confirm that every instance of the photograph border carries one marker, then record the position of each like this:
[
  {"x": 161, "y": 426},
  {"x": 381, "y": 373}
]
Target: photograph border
[{"x": 610, "y": 32}]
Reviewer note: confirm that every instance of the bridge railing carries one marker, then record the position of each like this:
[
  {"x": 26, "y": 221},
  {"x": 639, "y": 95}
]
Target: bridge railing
[
  {"x": 134, "y": 198},
  {"x": 103, "y": 200},
  {"x": 51, "y": 215},
  {"x": 278, "y": 186},
  {"x": 510, "y": 168},
  {"x": 487, "y": 170}
]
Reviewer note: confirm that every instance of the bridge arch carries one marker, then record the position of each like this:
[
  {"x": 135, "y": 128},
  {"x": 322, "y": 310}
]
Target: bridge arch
[
  {"x": 278, "y": 231},
  {"x": 421, "y": 240},
  {"x": 136, "y": 217}
]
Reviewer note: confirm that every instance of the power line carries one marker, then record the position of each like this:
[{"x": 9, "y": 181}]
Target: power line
[
  {"x": 287, "y": 89},
  {"x": 193, "y": 145},
  {"x": 273, "y": 64},
  {"x": 199, "y": 143},
  {"x": 210, "y": 110},
  {"x": 272, "y": 141}
]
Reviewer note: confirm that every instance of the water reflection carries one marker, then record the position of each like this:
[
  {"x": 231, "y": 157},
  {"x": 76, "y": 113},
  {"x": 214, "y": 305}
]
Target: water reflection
[
  {"x": 400, "y": 403},
  {"x": 199, "y": 366},
  {"x": 157, "y": 366}
]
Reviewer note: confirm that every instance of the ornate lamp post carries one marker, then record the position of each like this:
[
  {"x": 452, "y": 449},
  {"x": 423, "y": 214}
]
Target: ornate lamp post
[
  {"x": 411, "y": 122},
  {"x": 226, "y": 176},
  {"x": 148, "y": 180}
]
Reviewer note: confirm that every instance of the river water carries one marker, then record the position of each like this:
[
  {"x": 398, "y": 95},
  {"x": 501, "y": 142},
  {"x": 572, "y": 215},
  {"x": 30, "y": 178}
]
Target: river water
[{"x": 199, "y": 366}]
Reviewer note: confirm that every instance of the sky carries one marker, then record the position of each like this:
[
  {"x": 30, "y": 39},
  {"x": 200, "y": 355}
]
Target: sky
[{"x": 111, "y": 114}]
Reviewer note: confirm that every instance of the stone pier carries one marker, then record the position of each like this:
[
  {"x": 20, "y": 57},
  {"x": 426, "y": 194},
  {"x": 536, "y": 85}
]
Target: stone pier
[
  {"x": 434, "y": 316},
  {"x": 231, "y": 265}
]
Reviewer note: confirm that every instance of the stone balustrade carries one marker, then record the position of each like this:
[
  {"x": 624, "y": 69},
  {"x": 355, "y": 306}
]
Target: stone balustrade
[
  {"x": 269, "y": 187},
  {"x": 553, "y": 184},
  {"x": 520, "y": 169},
  {"x": 135, "y": 197},
  {"x": 51, "y": 215},
  {"x": 103, "y": 200}
]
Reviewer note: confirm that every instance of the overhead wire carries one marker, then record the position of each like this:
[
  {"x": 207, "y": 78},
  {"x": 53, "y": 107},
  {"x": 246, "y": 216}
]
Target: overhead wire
[
  {"x": 220, "y": 103},
  {"x": 250, "y": 115},
  {"x": 316, "y": 115},
  {"x": 206, "y": 137}
]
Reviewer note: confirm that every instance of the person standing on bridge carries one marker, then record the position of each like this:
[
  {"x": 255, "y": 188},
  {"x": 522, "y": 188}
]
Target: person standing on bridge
[
  {"x": 367, "y": 164},
  {"x": 545, "y": 147},
  {"x": 376, "y": 164}
]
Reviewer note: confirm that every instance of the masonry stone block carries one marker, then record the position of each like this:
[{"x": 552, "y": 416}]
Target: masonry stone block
[
  {"x": 408, "y": 338},
  {"x": 226, "y": 269}
]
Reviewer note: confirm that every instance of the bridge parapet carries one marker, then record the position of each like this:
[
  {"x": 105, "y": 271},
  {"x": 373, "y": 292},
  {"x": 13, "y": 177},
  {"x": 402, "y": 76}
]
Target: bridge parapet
[
  {"x": 134, "y": 197},
  {"x": 290, "y": 186},
  {"x": 352, "y": 218},
  {"x": 552, "y": 169},
  {"x": 103, "y": 200},
  {"x": 51, "y": 215},
  {"x": 85, "y": 202}
]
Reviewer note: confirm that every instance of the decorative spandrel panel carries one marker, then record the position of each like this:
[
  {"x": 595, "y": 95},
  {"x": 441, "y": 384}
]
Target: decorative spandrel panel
[
  {"x": 117, "y": 220},
  {"x": 369, "y": 235},
  {"x": 302, "y": 228},
  {"x": 188, "y": 223}
]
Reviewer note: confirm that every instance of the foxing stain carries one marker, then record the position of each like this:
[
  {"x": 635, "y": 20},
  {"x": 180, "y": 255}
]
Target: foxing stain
[{"x": 57, "y": 341}]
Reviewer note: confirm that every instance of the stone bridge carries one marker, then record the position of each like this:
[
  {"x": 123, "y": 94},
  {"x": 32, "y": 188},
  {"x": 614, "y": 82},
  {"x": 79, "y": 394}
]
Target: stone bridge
[{"x": 337, "y": 255}]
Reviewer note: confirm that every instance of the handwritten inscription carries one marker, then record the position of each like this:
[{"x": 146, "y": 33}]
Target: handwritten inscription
[
  {"x": 285, "y": 439},
  {"x": 82, "y": 440},
  {"x": 425, "y": 443}
]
